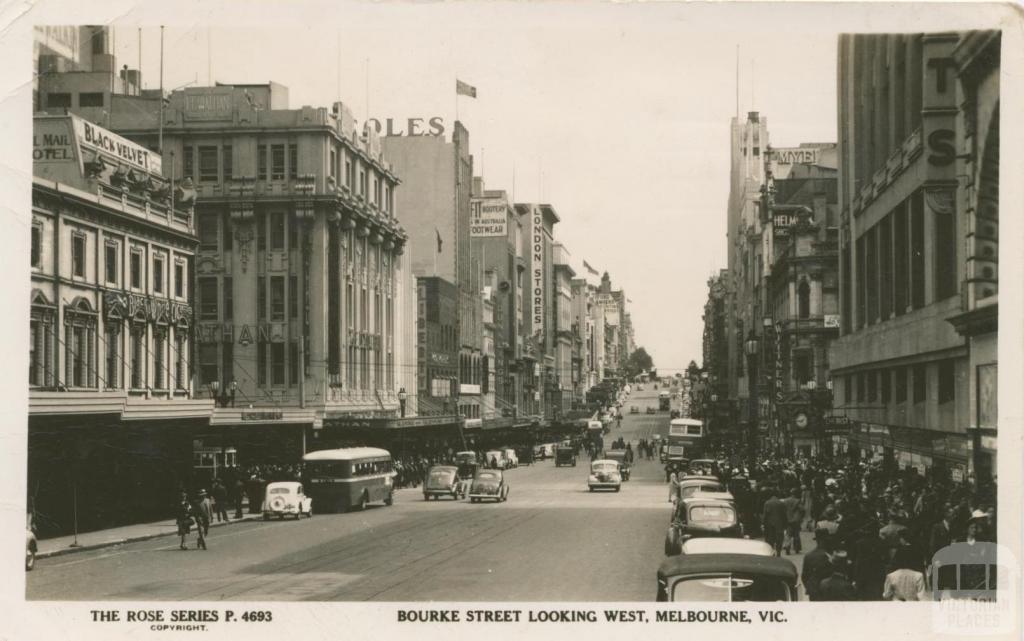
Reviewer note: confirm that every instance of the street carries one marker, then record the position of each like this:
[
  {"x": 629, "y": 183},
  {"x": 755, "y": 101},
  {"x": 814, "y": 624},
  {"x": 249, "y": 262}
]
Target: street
[{"x": 552, "y": 541}]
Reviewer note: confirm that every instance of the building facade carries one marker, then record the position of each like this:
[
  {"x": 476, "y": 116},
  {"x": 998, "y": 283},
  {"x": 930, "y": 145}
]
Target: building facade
[
  {"x": 437, "y": 339},
  {"x": 565, "y": 338},
  {"x": 113, "y": 248},
  {"x": 910, "y": 249}
]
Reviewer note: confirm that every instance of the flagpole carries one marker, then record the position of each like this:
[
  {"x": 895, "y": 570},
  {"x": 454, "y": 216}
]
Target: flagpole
[{"x": 456, "y": 99}]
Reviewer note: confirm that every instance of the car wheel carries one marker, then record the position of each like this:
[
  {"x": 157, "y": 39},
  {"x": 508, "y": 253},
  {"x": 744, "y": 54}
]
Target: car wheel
[{"x": 30, "y": 559}]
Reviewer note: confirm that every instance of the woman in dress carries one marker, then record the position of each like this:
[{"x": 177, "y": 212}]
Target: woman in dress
[{"x": 184, "y": 519}]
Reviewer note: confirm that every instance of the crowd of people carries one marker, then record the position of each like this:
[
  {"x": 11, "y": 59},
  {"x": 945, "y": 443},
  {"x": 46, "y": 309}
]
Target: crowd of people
[{"x": 876, "y": 527}]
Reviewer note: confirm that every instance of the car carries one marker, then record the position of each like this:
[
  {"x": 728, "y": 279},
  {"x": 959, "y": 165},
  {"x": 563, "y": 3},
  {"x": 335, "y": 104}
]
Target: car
[
  {"x": 442, "y": 480},
  {"x": 690, "y": 485},
  {"x": 605, "y": 475},
  {"x": 511, "y": 458},
  {"x": 490, "y": 485},
  {"x": 495, "y": 459},
  {"x": 726, "y": 578},
  {"x": 651, "y": 410},
  {"x": 695, "y": 517},
  {"x": 31, "y": 548},
  {"x": 717, "y": 545},
  {"x": 544, "y": 451},
  {"x": 702, "y": 466},
  {"x": 633, "y": 409},
  {"x": 283, "y": 498},
  {"x": 619, "y": 456},
  {"x": 565, "y": 456}
]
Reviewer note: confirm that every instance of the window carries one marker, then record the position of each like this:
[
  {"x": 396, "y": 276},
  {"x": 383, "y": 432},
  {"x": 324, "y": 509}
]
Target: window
[
  {"x": 158, "y": 360},
  {"x": 947, "y": 381},
  {"x": 187, "y": 163},
  {"x": 802, "y": 368},
  {"x": 872, "y": 387},
  {"x": 58, "y": 101},
  {"x": 293, "y": 234},
  {"x": 277, "y": 298},
  {"x": 227, "y": 162},
  {"x": 871, "y": 268},
  {"x": 946, "y": 281},
  {"x": 293, "y": 297},
  {"x": 78, "y": 254},
  {"x": 900, "y": 384},
  {"x": 136, "y": 269},
  {"x": 229, "y": 298},
  {"x": 208, "y": 164},
  {"x": 90, "y": 99},
  {"x": 207, "y": 363},
  {"x": 110, "y": 262},
  {"x": 158, "y": 274},
  {"x": 848, "y": 389},
  {"x": 885, "y": 268},
  {"x": 920, "y": 384},
  {"x": 277, "y": 162},
  {"x": 804, "y": 298},
  {"x": 179, "y": 280},
  {"x": 261, "y": 363},
  {"x": 886, "y": 385},
  {"x": 261, "y": 232},
  {"x": 860, "y": 298},
  {"x": 862, "y": 387},
  {"x": 293, "y": 363},
  {"x": 112, "y": 359},
  {"x": 261, "y": 162},
  {"x": 350, "y": 173},
  {"x": 277, "y": 363},
  {"x": 261, "y": 298},
  {"x": 901, "y": 254},
  {"x": 180, "y": 371},
  {"x": 227, "y": 363},
  {"x": 207, "y": 232},
  {"x": 293, "y": 161},
  {"x": 137, "y": 357},
  {"x": 277, "y": 230},
  {"x": 208, "y": 298},
  {"x": 37, "y": 245},
  {"x": 334, "y": 165},
  {"x": 917, "y": 251},
  {"x": 225, "y": 225}
]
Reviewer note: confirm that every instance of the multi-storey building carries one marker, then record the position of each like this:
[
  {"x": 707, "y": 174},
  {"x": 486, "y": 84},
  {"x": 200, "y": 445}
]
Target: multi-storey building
[
  {"x": 438, "y": 342},
  {"x": 916, "y": 250},
  {"x": 716, "y": 355},
  {"x": 582, "y": 340},
  {"x": 613, "y": 302},
  {"x": 113, "y": 246},
  {"x": 561, "y": 298}
]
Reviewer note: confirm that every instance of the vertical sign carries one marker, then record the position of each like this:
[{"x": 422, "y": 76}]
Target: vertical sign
[{"x": 537, "y": 265}]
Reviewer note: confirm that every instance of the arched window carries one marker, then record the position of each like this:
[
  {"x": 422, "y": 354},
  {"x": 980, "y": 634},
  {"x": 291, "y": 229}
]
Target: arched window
[{"x": 803, "y": 299}]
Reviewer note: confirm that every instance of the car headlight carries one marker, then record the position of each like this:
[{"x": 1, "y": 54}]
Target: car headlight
[{"x": 593, "y": 477}]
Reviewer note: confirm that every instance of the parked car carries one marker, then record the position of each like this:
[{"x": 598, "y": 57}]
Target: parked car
[
  {"x": 443, "y": 480},
  {"x": 286, "y": 498},
  {"x": 633, "y": 409},
  {"x": 695, "y": 517},
  {"x": 488, "y": 484},
  {"x": 726, "y": 578},
  {"x": 31, "y": 547},
  {"x": 619, "y": 456},
  {"x": 511, "y": 458},
  {"x": 717, "y": 545},
  {"x": 545, "y": 451},
  {"x": 495, "y": 459},
  {"x": 565, "y": 456},
  {"x": 651, "y": 410},
  {"x": 605, "y": 475}
]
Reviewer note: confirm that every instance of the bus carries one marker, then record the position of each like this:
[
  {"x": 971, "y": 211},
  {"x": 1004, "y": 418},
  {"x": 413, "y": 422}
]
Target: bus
[
  {"x": 348, "y": 478},
  {"x": 664, "y": 401},
  {"x": 685, "y": 439}
]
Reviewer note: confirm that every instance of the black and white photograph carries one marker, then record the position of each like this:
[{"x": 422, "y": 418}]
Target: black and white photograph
[{"x": 518, "y": 308}]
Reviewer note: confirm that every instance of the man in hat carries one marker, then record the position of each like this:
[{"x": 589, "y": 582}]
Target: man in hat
[
  {"x": 204, "y": 514},
  {"x": 838, "y": 586},
  {"x": 774, "y": 521},
  {"x": 829, "y": 520},
  {"x": 817, "y": 564}
]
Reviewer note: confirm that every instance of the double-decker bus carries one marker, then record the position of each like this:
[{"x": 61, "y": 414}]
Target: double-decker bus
[
  {"x": 664, "y": 401},
  {"x": 348, "y": 478},
  {"x": 685, "y": 439}
]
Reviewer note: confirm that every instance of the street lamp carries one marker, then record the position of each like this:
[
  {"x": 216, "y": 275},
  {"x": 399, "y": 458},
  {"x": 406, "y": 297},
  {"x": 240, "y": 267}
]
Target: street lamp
[
  {"x": 750, "y": 348},
  {"x": 234, "y": 388},
  {"x": 402, "y": 396}
]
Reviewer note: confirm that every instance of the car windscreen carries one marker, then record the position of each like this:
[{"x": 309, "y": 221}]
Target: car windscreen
[
  {"x": 440, "y": 478},
  {"x": 728, "y": 587},
  {"x": 279, "y": 490},
  {"x": 722, "y": 514},
  {"x": 489, "y": 477},
  {"x": 606, "y": 467},
  {"x": 689, "y": 490}
]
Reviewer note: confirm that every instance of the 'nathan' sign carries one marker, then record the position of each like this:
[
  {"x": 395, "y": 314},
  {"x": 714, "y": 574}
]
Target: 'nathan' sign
[
  {"x": 110, "y": 144},
  {"x": 487, "y": 217}
]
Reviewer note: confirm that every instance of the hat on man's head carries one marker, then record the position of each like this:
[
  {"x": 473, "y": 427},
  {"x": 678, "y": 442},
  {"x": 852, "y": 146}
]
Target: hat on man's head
[{"x": 202, "y": 492}]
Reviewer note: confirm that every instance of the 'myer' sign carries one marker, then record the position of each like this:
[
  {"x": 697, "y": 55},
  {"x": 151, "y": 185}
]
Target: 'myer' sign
[{"x": 487, "y": 217}]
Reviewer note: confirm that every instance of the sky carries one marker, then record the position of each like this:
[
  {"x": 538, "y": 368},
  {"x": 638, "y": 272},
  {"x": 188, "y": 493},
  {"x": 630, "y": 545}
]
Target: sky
[{"x": 616, "y": 114}]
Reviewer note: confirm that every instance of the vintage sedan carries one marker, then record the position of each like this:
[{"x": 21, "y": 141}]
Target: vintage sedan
[
  {"x": 634, "y": 409},
  {"x": 286, "y": 498},
  {"x": 620, "y": 457},
  {"x": 490, "y": 485},
  {"x": 651, "y": 410},
  {"x": 495, "y": 459},
  {"x": 442, "y": 480},
  {"x": 605, "y": 475},
  {"x": 565, "y": 455},
  {"x": 724, "y": 578},
  {"x": 695, "y": 517}
]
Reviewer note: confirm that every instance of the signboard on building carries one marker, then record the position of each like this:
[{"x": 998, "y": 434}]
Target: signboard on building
[
  {"x": 209, "y": 105},
  {"x": 537, "y": 265},
  {"x": 119, "y": 150},
  {"x": 832, "y": 320},
  {"x": 408, "y": 126},
  {"x": 52, "y": 141},
  {"x": 487, "y": 217}
]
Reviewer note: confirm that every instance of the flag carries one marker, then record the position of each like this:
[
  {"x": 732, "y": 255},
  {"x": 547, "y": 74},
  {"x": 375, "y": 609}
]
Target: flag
[
  {"x": 464, "y": 89},
  {"x": 439, "y": 241},
  {"x": 590, "y": 269}
]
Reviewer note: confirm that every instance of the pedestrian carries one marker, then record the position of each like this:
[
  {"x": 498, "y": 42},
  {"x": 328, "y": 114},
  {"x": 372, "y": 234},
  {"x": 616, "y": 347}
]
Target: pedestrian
[
  {"x": 829, "y": 520},
  {"x": 817, "y": 565},
  {"x": 184, "y": 519},
  {"x": 237, "y": 493},
  {"x": 794, "y": 517},
  {"x": 773, "y": 518},
  {"x": 673, "y": 487},
  {"x": 220, "y": 500},
  {"x": 838, "y": 586},
  {"x": 906, "y": 581},
  {"x": 203, "y": 515}
]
